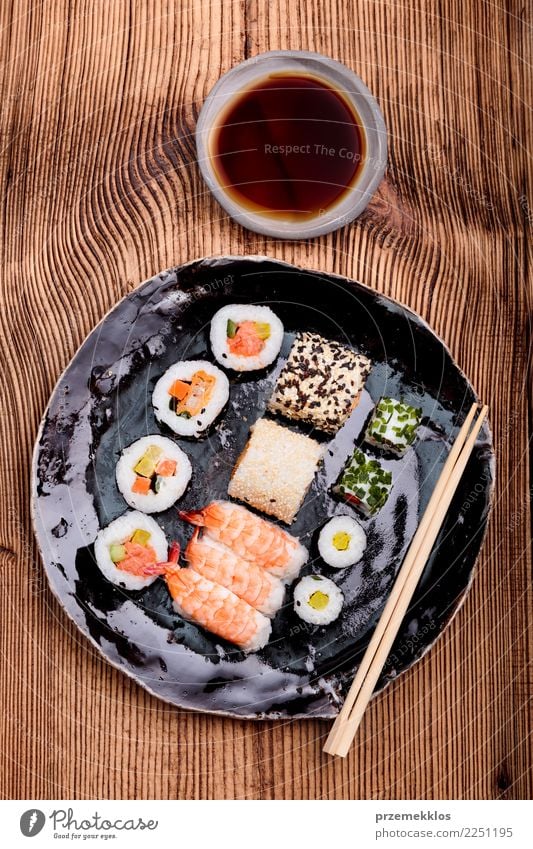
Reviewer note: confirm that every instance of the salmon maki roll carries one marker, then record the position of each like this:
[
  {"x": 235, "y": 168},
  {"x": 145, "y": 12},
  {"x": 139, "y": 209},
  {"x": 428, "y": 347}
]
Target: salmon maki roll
[
  {"x": 252, "y": 538},
  {"x": 255, "y": 585}
]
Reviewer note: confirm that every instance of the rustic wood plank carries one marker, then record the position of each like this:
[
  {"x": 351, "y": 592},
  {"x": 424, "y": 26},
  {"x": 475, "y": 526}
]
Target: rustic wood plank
[{"x": 99, "y": 191}]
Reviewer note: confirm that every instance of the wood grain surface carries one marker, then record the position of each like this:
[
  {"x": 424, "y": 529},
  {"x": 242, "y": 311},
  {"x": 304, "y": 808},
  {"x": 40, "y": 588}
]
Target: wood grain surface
[{"x": 100, "y": 190}]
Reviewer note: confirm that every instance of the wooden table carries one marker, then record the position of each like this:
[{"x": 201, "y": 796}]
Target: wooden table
[{"x": 99, "y": 191}]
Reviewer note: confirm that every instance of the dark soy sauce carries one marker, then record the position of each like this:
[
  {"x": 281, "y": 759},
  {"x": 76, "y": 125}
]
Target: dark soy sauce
[{"x": 291, "y": 147}]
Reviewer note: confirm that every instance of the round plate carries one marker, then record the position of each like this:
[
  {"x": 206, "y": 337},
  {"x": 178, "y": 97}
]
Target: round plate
[{"x": 102, "y": 403}]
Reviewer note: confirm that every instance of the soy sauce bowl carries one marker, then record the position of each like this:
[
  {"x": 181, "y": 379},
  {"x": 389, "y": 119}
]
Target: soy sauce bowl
[{"x": 353, "y": 200}]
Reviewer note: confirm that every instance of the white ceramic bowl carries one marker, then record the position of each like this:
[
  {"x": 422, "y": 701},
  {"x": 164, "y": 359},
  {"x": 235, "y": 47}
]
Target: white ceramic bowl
[{"x": 352, "y": 202}]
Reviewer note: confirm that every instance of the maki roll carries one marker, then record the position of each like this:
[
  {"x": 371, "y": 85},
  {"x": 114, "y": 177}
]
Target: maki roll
[
  {"x": 364, "y": 483},
  {"x": 128, "y": 549},
  {"x": 275, "y": 470},
  {"x": 153, "y": 473},
  {"x": 342, "y": 542},
  {"x": 189, "y": 396},
  {"x": 393, "y": 425},
  {"x": 245, "y": 337},
  {"x": 317, "y": 600},
  {"x": 320, "y": 383}
]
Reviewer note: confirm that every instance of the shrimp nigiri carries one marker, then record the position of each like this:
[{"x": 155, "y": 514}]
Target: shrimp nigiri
[
  {"x": 223, "y": 566},
  {"x": 212, "y": 606},
  {"x": 251, "y": 537}
]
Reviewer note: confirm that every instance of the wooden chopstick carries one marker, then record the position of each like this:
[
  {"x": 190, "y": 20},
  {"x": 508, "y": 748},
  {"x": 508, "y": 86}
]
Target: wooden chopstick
[{"x": 360, "y": 693}]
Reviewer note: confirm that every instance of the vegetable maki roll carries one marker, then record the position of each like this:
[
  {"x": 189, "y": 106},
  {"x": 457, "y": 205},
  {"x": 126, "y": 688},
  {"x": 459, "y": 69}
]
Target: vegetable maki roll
[
  {"x": 153, "y": 473},
  {"x": 128, "y": 549},
  {"x": 317, "y": 600},
  {"x": 245, "y": 337},
  {"x": 189, "y": 396},
  {"x": 320, "y": 383},
  {"x": 364, "y": 483},
  {"x": 275, "y": 470},
  {"x": 342, "y": 542},
  {"x": 393, "y": 425}
]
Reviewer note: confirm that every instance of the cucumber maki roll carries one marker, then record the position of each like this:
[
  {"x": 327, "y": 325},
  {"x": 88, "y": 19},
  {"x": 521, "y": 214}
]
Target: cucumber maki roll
[{"x": 317, "y": 600}]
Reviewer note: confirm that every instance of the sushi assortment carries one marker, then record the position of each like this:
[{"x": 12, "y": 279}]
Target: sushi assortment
[
  {"x": 153, "y": 473},
  {"x": 237, "y": 564},
  {"x": 321, "y": 382},
  {"x": 275, "y": 470}
]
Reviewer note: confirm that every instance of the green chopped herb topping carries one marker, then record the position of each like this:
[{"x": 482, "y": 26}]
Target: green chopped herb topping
[
  {"x": 394, "y": 424},
  {"x": 366, "y": 480}
]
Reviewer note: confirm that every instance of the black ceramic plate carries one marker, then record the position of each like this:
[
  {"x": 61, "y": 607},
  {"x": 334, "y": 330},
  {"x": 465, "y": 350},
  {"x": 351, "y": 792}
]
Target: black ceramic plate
[{"x": 102, "y": 403}]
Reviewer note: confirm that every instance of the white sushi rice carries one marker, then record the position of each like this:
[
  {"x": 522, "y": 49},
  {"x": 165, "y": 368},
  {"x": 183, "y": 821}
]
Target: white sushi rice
[
  {"x": 353, "y": 537},
  {"x": 185, "y": 371},
  {"x": 170, "y": 488},
  {"x": 118, "y": 532},
  {"x": 317, "y": 609},
  {"x": 239, "y": 313}
]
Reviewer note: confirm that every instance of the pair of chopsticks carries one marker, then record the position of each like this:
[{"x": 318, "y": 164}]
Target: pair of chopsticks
[{"x": 345, "y": 726}]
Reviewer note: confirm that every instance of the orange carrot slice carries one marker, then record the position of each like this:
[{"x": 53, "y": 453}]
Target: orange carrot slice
[
  {"x": 141, "y": 485},
  {"x": 179, "y": 389}
]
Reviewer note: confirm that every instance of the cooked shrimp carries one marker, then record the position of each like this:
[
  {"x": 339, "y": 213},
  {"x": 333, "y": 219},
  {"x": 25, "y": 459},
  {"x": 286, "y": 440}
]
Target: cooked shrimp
[
  {"x": 213, "y": 607},
  {"x": 247, "y": 580},
  {"x": 251, "y": 537}
]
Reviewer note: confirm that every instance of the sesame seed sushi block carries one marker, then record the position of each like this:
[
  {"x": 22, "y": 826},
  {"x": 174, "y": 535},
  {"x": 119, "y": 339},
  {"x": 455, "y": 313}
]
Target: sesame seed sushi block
[
  {"x": 342, "y": 542},
  {"x": 317, "y": 600},
  {"x": 129, "y": 548},
  {"x": 320, "y": 383},
  {"x": 152, "y": 473},
  {"x": 393, "y": 425},
  {"x": 251, "y": 537},
  {"x": 275, "y": 470},
  {"x": 214, "y": 607},
  {"x": 245, "y": 337},
  {"x": 364, "y": 483},
  {"x": 189, "y": 396}
]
